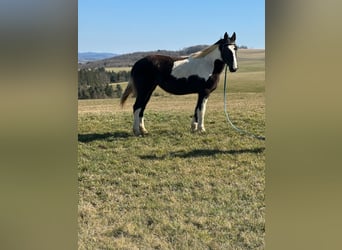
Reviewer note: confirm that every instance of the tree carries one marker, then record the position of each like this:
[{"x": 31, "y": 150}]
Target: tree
[
  {"x": 109, "y": 91},
  {"x": 118, "y": 90},
  {"x": 94, "y": 83}
]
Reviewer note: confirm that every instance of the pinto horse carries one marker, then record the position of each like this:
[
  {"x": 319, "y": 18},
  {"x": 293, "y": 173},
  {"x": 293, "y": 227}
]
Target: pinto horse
[{"x": 198, "y": 73}]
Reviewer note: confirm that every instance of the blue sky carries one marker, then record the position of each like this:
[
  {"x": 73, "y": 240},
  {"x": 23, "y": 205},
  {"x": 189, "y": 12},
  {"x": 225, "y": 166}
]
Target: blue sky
[{"x": 119, "y": 26}]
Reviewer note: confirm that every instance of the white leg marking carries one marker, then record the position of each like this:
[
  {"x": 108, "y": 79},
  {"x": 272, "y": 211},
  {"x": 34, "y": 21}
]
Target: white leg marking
[
  {"x": 136, "y": 122},
  {"x": 201, "y": 115},
  {"x": 142, "y": 126},
  {"x": 194, "y": 124}
]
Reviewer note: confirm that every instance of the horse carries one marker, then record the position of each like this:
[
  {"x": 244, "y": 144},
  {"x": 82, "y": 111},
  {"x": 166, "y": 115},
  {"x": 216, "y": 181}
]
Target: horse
[{"x": 197, "y": 73}]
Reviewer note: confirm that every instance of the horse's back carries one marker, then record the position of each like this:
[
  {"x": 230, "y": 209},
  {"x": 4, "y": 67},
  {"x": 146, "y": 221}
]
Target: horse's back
[{"x": 152, "y": 67}]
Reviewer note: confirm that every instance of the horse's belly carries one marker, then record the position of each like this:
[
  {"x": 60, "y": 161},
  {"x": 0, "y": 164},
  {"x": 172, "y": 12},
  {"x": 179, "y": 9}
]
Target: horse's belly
[{"x": 183, "y": 86}]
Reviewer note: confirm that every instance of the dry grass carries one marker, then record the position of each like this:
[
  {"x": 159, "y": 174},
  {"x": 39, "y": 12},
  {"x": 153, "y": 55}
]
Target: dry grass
[
  {"x": 167, "y": 102},
  {"x": 172, "y": 189},
  {"x": 118, "y": 69}
]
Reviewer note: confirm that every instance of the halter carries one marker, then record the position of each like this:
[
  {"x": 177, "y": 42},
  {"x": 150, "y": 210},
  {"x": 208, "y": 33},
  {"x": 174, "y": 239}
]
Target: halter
[{"x": 224, "y": 45}]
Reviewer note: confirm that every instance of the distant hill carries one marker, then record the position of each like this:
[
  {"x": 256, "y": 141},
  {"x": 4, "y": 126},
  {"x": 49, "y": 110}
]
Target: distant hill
[
  {"x": 127, "y": 60},
  {"x": 84, "y": 57}
]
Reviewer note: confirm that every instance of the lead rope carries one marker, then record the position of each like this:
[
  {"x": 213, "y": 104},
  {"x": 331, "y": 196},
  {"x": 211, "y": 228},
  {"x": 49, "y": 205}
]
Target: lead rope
[{"x": 227, "y": 115}]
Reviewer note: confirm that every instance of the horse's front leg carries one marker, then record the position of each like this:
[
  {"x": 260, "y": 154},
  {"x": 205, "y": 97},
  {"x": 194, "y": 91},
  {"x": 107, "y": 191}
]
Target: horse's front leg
[
  {"x": 201, "y": 114},
  {"x": 197, "y": 123}
]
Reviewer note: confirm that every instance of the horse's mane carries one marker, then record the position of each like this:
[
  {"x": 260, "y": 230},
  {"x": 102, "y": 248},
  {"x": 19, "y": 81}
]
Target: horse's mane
[{"x": 204, "y": 52}]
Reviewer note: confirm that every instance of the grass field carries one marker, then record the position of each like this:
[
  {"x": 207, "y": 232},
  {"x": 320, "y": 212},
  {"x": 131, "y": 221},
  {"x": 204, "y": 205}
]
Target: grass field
[
  {"x": 174, "y": 189},
  {"x": 118, "y": 69}
]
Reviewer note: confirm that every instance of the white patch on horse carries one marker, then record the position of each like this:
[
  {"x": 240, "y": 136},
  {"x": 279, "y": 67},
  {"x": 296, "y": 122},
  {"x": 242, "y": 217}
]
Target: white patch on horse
[
  {"x": 138, "y": 124},
  {"x": 202, "y": 66},
  {"x": 232, "y": 49},
  {"x": 201, "y": 114},
  {"x": 142, "y": 128},
  {"x": 180, "y": 62},
  {"x": 194, "y": 124}
]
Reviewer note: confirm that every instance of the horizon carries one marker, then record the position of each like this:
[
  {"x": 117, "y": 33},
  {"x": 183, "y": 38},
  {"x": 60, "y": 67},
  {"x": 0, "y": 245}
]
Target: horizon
[{"x": 121, "y": 27}]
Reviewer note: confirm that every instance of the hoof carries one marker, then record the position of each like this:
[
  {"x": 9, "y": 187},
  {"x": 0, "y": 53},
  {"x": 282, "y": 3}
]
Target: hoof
[
  {"x": 140, "y": 132},
  {"x": 143, "y": 131},
  {"x": 136, "y": 132},
  {"x": 194, "y": 127},
  {"x": 201, "y": 130}
]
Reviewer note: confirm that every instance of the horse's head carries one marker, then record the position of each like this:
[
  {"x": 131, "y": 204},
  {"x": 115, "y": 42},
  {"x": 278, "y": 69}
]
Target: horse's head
[{"x": 228, "y": 50}]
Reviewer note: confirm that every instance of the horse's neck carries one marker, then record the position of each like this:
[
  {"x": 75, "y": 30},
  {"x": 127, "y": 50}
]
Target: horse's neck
[{"x": 201, "y": 66}]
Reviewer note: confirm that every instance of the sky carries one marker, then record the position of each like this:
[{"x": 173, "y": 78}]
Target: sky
[{"x": 120, "y": 26}]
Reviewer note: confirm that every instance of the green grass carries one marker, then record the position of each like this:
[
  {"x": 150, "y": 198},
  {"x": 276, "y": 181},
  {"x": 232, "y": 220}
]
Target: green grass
[{"x": 173, "y": 189}]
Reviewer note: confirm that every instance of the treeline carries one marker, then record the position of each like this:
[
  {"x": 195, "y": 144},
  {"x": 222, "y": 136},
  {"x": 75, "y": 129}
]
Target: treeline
[
  {"x": 96, "y": 83},
  {"x": 121, "y": 76}
]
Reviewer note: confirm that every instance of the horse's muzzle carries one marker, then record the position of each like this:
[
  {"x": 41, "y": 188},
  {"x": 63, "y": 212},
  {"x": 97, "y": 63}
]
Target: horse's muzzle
[{"x": 233, "y": 69}]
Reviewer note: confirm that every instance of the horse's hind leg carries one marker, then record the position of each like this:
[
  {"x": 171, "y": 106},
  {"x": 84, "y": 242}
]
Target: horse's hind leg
[
  {"x": 138, "y": 110},
  {"x": 138, "y": 123},
  {"x": 138, "y": 114}
]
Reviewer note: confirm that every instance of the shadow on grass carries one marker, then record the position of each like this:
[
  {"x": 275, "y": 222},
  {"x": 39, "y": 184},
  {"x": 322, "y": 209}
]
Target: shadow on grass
[
  {"x": 203, "y": 153},
  {"x": 105, "y": 136}
]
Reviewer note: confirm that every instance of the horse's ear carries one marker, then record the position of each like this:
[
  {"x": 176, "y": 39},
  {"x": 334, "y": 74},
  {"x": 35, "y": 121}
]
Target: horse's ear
[
  {"x": 226, "y": 36},
  {"x": 233, "y": 37}
]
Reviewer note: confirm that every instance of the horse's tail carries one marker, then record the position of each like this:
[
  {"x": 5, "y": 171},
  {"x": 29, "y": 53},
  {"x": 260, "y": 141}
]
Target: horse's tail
[{"x": 129, "y": 89}]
